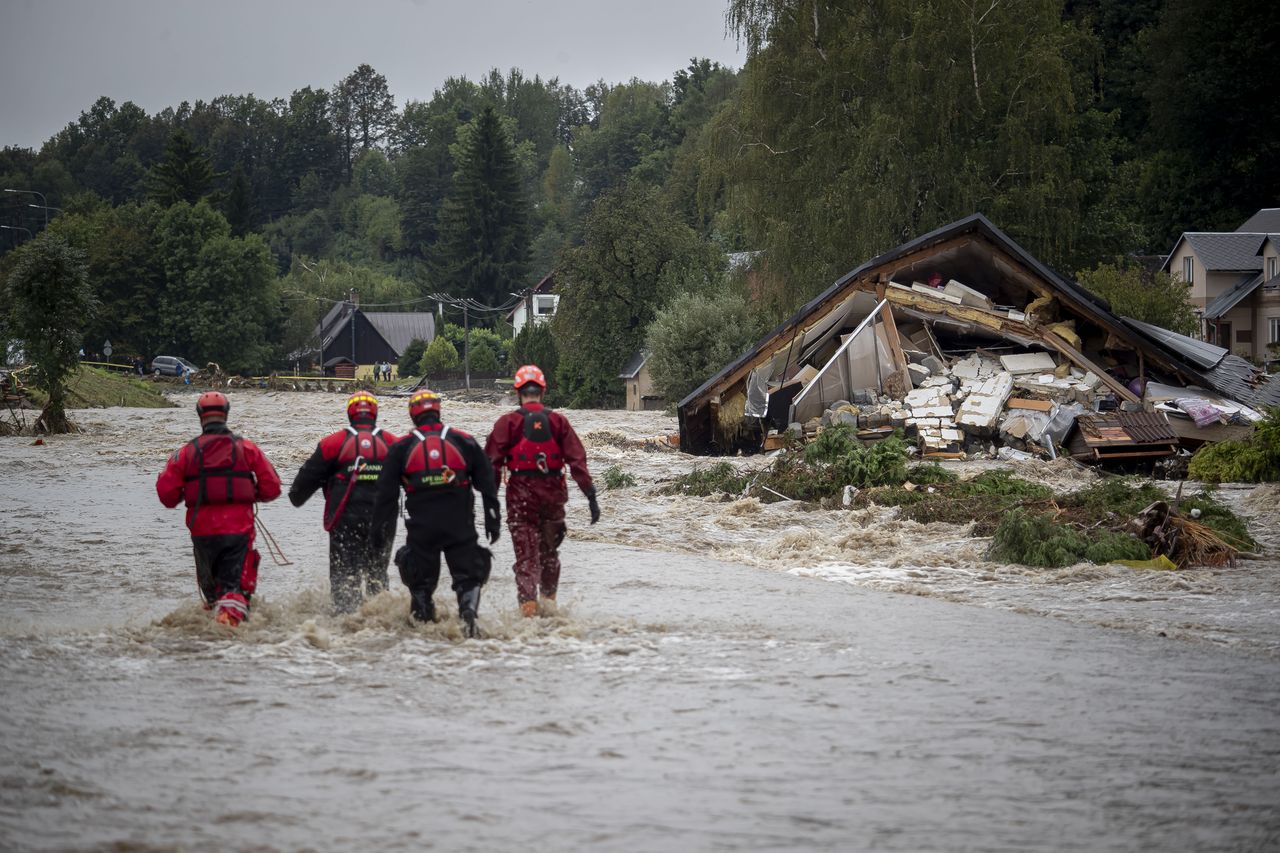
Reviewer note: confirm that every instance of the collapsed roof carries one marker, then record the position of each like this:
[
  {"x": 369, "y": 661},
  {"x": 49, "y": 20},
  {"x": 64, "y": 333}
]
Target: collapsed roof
[{"x": 998, "y": 297}]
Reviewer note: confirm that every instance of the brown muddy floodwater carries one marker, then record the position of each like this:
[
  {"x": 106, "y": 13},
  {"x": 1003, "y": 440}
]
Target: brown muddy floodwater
[{"x": 724, "y": 675}]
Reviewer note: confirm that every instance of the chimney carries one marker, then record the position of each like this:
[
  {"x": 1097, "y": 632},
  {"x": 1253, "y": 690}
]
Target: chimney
[{"x": 353, "y": 298}]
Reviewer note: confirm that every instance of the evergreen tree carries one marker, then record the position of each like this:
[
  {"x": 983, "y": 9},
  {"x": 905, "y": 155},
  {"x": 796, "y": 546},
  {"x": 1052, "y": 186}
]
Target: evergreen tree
[
  {"x": 484, "y": 235},
  {"x": 185, "y": 174}
]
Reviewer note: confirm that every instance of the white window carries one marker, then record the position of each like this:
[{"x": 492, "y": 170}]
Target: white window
[
  {"x": 1189, "y": 269},
  {"x": 1273, "y": 268},
  {"x": 1274, "y": 324},
  {"x": 543, "y": 305}
]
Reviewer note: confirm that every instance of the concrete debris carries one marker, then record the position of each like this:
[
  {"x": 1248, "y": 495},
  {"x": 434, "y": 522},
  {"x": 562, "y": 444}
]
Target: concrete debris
[
  {"x": 981, "y": 409},
  {"x": 1031, "y": 362}
]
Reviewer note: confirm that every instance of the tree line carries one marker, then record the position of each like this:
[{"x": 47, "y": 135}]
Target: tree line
[{"x": 1091, "y": 130}]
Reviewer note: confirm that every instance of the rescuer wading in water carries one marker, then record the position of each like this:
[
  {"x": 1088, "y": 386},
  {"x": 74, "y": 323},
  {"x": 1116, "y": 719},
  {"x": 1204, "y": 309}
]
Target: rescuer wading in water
[
  {"x": 536, "y": 445},
  {"x": 220, "y": 476},
  {"x": 438, "y": 468},
  {"x": 346, "y": 465}
]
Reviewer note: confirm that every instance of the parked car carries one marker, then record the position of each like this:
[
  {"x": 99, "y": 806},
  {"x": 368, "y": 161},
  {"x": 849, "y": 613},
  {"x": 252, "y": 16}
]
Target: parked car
[{"x": 172, "y": 365}]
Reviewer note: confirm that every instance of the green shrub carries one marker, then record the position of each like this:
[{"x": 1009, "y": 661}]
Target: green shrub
[
  {"x": 439, "y": 355},
  {"x": 701, "y": 482},
  {"x": 1035, "y": 539},
  {"x": 1001, "y": 484},
  {"x": 411, "y": 358},
  {"x": 616, "y": 478},
  {"x": 1214, "y": 515},
  {"x": 930, "y": 474},
  {"x": 1252, "y": 460}
]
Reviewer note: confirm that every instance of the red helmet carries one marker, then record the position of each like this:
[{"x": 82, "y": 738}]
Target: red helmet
[
  {"x": 362, "y": 407},
  {"x": 530, "y": 373},
  {"x": 212, "y": 404},
  {"x": 423, "y": 402}
]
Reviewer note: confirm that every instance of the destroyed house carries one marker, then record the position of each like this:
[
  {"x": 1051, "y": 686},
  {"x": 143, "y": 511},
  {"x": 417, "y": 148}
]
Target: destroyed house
[{"x": 888, "y": 343}]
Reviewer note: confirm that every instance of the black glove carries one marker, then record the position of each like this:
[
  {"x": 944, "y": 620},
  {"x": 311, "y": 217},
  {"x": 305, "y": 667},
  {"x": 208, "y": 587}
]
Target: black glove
[
  {"x": 492, "y": 523},
  {"x": 593, "y": 504}
]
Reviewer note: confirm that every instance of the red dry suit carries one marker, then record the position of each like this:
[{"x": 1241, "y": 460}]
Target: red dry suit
[
  {"x": 220, "y": 476},
  {"x": 537, "y": 446}
]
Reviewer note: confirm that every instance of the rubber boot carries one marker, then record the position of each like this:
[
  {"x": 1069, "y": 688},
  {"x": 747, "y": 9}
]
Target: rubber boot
[
  {"x": 528, "y": 609},
  {"x": 421, "y": 607},
  {"x": 468, "y": 609},
  {"x": 547, "y": 605}
]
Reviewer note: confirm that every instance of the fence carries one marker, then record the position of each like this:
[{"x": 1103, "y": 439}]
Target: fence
[{"x": 452, "y": 380}]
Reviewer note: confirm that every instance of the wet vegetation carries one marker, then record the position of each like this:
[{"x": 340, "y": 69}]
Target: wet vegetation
[
  {"x": 1253, "y": 460},
  {"x": 616, "y": 478},
  {"x": 1029, "y": 523},
  {"x": 1037, "y": 539}
]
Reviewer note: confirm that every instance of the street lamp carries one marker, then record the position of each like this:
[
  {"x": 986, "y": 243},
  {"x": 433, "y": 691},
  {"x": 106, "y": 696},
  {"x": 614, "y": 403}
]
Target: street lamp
[
  {"x": 46, "y": 208},
  {"x": 17, "y": 228},
  {"x": 44, "y": 201}
]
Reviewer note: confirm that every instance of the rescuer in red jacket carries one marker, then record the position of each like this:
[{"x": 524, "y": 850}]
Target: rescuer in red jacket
[
  {"x": 346, "y": 465},
  {"x": 220, "y": 476},
  {"x": 438, "y": 467},
  {"x": 536, "y": 446}
]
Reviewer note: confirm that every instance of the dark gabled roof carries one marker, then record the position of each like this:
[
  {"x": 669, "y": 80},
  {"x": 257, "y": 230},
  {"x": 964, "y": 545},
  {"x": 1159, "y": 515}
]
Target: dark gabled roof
[
  {"x": 974, "y": 223},
  {"x": 1265, "y": 220},
  {"x": 632, "y": 368},
  {"x": 399, "y": 329},
  {"x": 1227, "y": 251},
  {"x": 338, "y": 359},
  {"x": 1232, "y": 296},
  {"x": 331, "y": 319}
]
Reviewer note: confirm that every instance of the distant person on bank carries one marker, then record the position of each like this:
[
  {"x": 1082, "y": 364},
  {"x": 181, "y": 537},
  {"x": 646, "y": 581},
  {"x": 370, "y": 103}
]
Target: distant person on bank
[
  {"x": 346, "y": 465},
  {"x": 537, "y": 446},
  {"x": 220, "y": 476}
]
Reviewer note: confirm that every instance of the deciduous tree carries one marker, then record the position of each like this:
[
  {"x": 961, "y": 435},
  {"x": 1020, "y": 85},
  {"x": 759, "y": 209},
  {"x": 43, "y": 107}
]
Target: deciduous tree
[{"x": 50, "y": 302}]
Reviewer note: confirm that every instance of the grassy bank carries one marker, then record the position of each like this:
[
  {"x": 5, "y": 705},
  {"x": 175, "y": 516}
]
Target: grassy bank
[{"x": 95, "y": 388}]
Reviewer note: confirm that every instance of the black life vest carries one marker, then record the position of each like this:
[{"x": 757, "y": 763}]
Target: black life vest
[
  {"x": 536, "y": 454},
  {"x": 360, "y": 462},
  {"x": 222, "y": 474},
  {"x": 434, "y": 464}
]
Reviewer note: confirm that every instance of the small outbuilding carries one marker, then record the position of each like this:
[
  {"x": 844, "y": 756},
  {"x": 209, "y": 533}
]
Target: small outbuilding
[{"x": 641, "y": 396}]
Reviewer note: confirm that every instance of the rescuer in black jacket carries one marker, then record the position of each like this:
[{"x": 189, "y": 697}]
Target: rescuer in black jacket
[
  {"x": 440, "y": 469},
  {"x": 346, "y": 465}
]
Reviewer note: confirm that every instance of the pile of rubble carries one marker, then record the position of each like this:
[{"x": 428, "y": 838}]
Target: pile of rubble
[{"x": 984, "y": 404}]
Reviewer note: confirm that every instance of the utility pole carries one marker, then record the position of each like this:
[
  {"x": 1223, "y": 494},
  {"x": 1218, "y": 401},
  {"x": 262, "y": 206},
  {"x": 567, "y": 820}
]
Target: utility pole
[{"x": 466, "y": 344}]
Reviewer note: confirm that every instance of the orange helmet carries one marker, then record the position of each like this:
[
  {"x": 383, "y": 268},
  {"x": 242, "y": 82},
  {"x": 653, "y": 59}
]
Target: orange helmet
[
  {"x": 530, "y": 373},
  {"x": 212, "y": 404},
  {"x": 362, "y": 407},
  {"x": 423, "y": 402}
]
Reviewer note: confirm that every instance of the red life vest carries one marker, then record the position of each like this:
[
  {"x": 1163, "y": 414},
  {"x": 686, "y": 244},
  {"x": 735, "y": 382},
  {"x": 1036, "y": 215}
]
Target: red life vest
[
  {"x": 222, "y": 474},
  {"x": 360, "y": 458},
  {"x": 434, "y": 463},
  {"x": 536, "y": 454}
]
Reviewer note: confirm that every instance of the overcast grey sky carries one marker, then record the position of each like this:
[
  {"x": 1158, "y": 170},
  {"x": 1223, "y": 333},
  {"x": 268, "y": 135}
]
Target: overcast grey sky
[{"x": 58, "y": 56}]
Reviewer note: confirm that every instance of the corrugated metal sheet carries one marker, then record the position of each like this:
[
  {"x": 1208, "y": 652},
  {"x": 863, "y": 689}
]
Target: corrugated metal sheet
[
  {"x": 1199, "y": 353},
  {"x": 401, "y": 328}
]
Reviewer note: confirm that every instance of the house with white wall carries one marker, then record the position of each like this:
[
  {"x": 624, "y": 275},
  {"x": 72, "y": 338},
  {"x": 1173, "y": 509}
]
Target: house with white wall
[
  {"x": 539, "y": 303},
  {"x": 1235, "y": 283}
]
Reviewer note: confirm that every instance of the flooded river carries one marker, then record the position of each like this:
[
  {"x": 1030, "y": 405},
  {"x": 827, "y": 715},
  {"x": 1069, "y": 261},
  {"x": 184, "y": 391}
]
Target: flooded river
[{"x": 724, "y": 675}]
